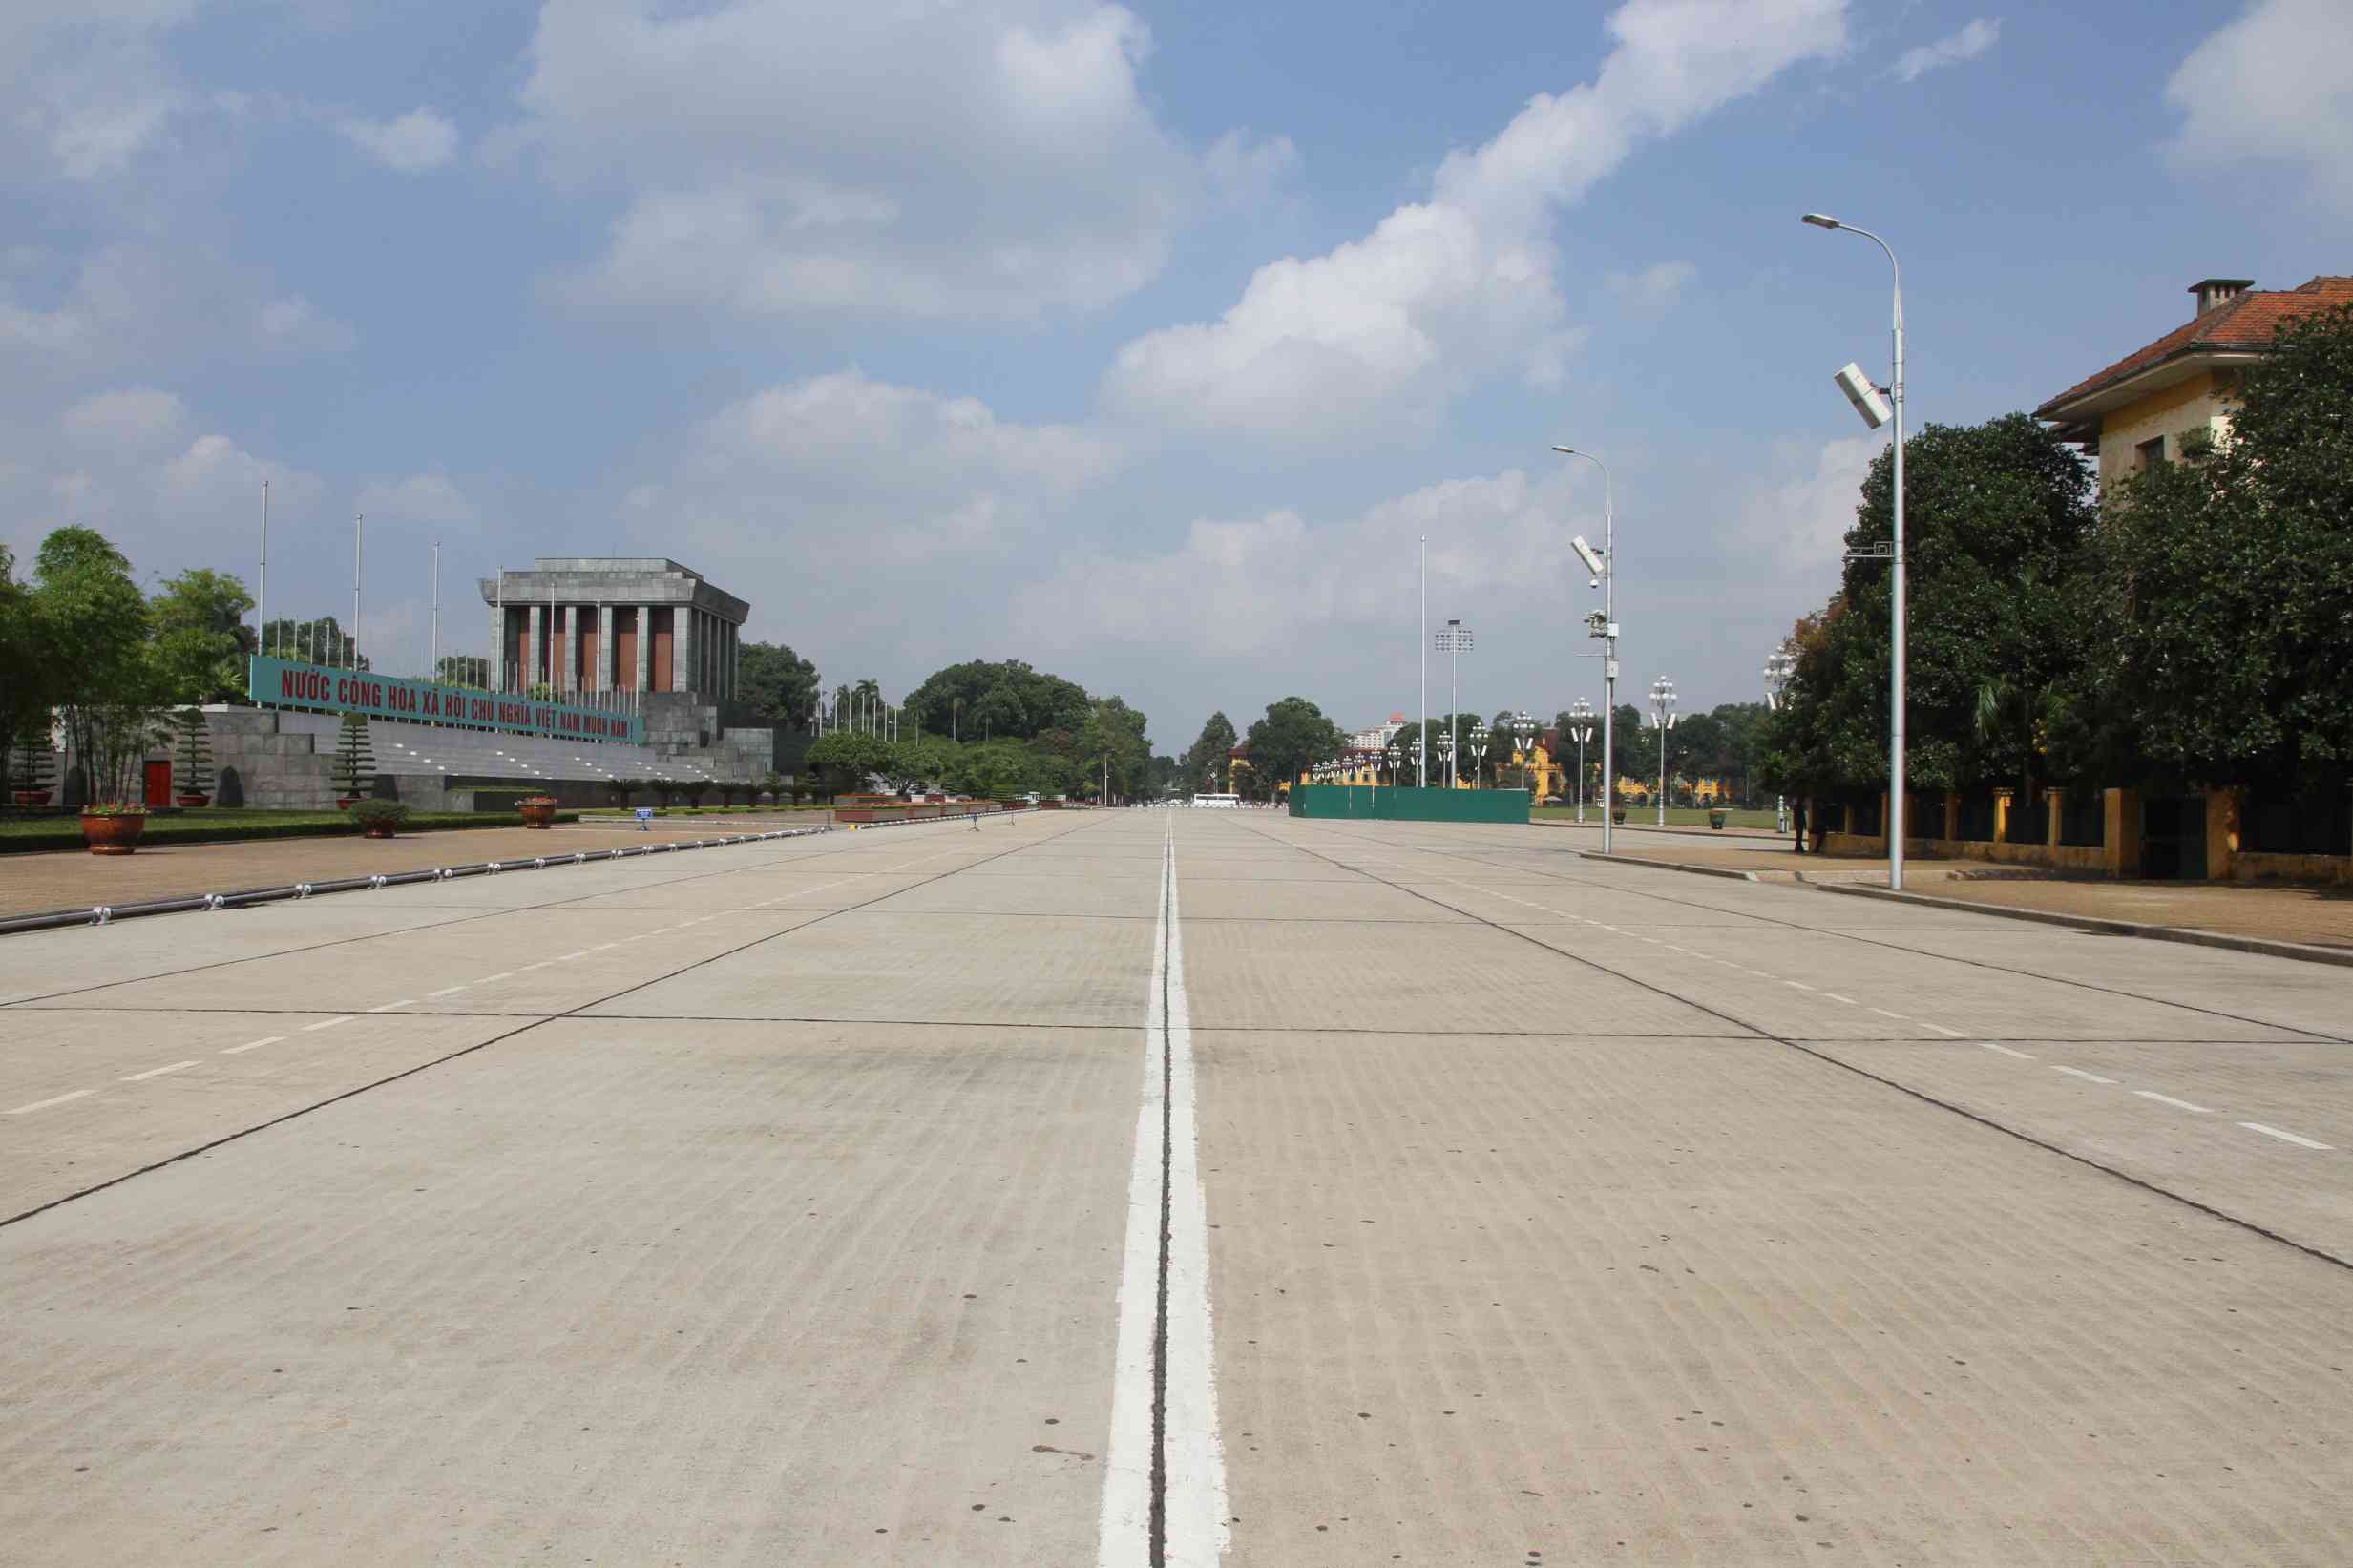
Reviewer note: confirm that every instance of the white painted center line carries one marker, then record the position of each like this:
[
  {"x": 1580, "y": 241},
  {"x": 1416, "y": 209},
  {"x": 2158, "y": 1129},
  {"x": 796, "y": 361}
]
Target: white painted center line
[
  {"x": 445, "y": 991},
  {"x": 45, "y": 1104},
  {"x": 601, "y": 946},
  {"x": 1884, "y": 1014},
  {"x": 252, "y": 1045},
  {"x": 2079, "y": 1072},
  {"x": 1797, "y": 985},
  {"x": 502, "y": 975},
  {"x": 326, "y": 1023},
  {"x": 542, "y": 964},
  {"x": 2003, "y": 1049},
  {"x": 1949, "y": 1033},
  {"x": 569, "y": 957},
  {"x": 1835, "y": 997},
  {"x": 157, "y": 1071},
  {"x": 2285, "y": 1137},
  {"x": 404, "y": 1001},
  {"x": 2178, "y": 1105}
]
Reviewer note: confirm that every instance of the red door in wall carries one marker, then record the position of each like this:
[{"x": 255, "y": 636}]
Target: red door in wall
[{"x": 159, "y": 782}]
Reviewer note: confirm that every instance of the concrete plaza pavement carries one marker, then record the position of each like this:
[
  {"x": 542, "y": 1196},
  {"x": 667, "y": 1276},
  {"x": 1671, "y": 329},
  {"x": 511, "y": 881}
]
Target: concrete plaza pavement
[{"x": 782, "y": 1202}]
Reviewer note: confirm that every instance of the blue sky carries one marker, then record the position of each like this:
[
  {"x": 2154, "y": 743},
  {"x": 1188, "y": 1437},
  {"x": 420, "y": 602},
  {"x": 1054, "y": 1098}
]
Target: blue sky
[{"x": 1141, "y": 342}]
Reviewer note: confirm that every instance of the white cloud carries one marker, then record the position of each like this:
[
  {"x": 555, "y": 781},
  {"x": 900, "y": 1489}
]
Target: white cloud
[
  {"x": 1797, "y": 521},
  {"x": 1971, "y": 41},
  {"x": 1654, "y": 287},
  {"x": 88, "y": 85},
  {"x": 843, "y": 468},
  {"x": 782, "y": 159},
  {"x": 1447, "y": 290},
  {"x": 429, "y": 498},
  {"x": 1254, "y": 586},
  {"x": 291, "y": 323},
  {"x": 418, "y": 140},
  {"x": 2276, "y": 86},
  {"x": 135, "y": 420}
]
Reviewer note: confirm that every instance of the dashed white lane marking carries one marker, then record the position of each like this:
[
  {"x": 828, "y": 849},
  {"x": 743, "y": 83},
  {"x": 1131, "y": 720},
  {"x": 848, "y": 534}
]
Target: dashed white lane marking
[
  {"x": 45, "y": 1104},
  {"x": 1797, "y": 985},
  {"x": 603, "y": 946},
  {"x": 1884, "y": 1014},
  {"x": 1835, "y": 997},
  {"x": 502, "y": 975},
  {"x": 404, "y": 1001},
  {"x": 2285, "y": 1137},
  {"x": 2003, "y": 1049},
  {"x": 449, "y": 990},
  {"x": 2178, "y": 1105},
  {"x": 252, "y": 1045},
  {"x": 569, "y": 957},
  {"x": 326, "y": 1023},
  {"x": 156, "y": 1072},
  {"x": 1948, "y": 1033},
  {"x": 2079, "y": 1072},
  {"x": 542, "y": 964}
]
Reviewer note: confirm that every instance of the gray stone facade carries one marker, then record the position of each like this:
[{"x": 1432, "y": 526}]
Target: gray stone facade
[{"x": 652, "y": 626}]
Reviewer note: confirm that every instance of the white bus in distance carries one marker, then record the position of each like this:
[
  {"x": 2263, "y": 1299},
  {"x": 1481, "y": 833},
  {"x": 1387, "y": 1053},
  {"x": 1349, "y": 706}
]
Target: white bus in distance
[{"x": 1218, "y": 801}]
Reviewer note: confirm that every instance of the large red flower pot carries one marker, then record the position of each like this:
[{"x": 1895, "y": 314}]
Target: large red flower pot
[
  {"x": 190, "y": 801},
  {"x": 538, "y": 813},
  {"x": 113, "y": 835}
]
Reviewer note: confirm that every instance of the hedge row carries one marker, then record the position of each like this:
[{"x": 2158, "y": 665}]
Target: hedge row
[{"x": 160, "y": 830}]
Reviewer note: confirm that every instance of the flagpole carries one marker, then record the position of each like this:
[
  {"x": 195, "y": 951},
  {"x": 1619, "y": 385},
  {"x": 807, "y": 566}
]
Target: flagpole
[{"x": 261, "y": 603}]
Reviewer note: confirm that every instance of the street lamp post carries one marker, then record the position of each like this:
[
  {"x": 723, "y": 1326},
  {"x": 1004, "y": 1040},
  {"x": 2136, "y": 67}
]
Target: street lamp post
[
  {"x": 1605, "y": 568},
  {"x": 1396, "y": 754},
  {"x": 1479, "y": 751},
  {"x": 1446, "y": 751},
  {"x": 1523, "y": 731},
  {"x": 1779, "y": 665},
  {"x": 1896, "y": 778},
  {"x": 1579, "y": 712},
  {"x": 1663, "y": 713}
]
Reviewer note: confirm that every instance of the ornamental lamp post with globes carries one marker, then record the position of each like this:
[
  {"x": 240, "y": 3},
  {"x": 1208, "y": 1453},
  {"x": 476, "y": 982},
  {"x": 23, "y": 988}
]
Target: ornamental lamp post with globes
[
  {"x": 1663, "y": 711},
  {"x": 1579, "y": 713}
]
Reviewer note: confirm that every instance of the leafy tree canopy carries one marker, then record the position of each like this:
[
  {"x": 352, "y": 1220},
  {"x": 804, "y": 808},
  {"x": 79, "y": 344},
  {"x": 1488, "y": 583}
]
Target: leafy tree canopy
[
  {"x": 1293, "y": 736},
  {"x": 778, "y": 683},
  {"x": 992, "y": 699}
]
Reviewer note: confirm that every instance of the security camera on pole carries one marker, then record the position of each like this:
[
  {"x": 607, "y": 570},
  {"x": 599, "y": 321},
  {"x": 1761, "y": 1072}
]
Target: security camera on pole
[{"x": 1604, "y": 624}]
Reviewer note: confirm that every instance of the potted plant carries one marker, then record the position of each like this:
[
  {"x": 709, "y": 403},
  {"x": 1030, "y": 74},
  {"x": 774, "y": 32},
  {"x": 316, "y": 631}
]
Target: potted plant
[
  {"x": 770, "y": 783},
  {"x": 538, "y": 811},
  {"x": 1715, "y": 821},
  {"x": 196, "y": 759},
  {"x": 355, "y": 764},
  {"x": 113, "y": 827},
  {"x": 1617, "y": 813},
  {"x": 379, "y": 819}
]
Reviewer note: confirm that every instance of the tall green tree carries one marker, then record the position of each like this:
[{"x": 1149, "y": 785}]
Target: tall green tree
[
  {"x": 2220, "y": 603},
  {"x": 320, "y": 642},
  {"x": 93, "y": 623},
  {"x": 1112, "y": 745},
  {"x": 1293, "y": 736},
  {"x": 200, "y": 637},
  {"x": 778, "y": 683},
  {"x": 1997, "y": 518},
  {"x": 25, "y": 674},
  {"x": 1203, "y": 763},
  {"x": 982, "y": 699}
]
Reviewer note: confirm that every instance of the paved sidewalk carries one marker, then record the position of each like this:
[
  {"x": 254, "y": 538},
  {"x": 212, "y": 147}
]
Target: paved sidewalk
[
  {"x": 2321, "y": 916},
  {"x": 71, "y": 879}
]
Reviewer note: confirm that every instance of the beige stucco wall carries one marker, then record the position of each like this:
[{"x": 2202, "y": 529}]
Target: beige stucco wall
[{"x": 2200, "y": 402}]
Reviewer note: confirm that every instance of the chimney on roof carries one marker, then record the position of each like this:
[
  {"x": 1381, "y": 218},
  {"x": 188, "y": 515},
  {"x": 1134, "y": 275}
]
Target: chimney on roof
[{"x": 2212, "y": 292}]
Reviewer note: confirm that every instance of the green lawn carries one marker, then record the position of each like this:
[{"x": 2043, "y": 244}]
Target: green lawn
[
  {"x": 1647, "y": 816},
  {"x": 208, "y": 824}
]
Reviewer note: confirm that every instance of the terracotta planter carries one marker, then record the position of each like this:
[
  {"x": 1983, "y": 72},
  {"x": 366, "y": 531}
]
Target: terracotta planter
[
  {"x": 538, "y": 814},
  {"x": 190, "y": 800},
  {"x": 33, "y": 797},
  {"x": 377, "y": 831},
  {"x": 113, "y": 835}
]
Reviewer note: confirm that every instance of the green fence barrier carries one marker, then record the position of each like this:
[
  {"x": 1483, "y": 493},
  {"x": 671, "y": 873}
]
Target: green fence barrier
[{"x": 1384, "y": 803}]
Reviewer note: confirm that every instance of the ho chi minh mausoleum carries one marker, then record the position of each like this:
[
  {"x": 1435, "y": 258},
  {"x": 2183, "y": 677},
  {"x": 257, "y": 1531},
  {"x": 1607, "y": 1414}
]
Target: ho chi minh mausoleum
[{"x": 605, "y": 675}]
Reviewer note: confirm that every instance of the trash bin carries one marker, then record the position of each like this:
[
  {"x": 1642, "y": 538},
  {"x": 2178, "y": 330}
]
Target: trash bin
[{"x": 1715, "y": 821}]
